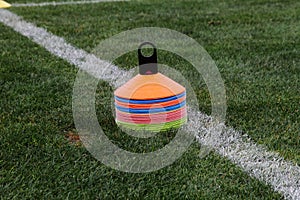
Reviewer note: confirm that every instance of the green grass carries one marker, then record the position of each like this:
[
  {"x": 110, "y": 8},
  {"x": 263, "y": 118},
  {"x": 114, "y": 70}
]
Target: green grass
[
  {"x": 38, "y": 162},
  {"x": 255, "y": 46}
]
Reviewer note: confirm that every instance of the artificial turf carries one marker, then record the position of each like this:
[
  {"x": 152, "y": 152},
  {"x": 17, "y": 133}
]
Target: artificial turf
[{"x": 255, "y": 46}]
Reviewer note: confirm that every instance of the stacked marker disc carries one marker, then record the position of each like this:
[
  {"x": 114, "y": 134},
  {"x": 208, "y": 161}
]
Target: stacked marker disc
[{"x": 150, "y": 101}]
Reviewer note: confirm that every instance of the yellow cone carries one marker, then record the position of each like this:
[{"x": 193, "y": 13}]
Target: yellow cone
[{"x": 3, "y": 4}]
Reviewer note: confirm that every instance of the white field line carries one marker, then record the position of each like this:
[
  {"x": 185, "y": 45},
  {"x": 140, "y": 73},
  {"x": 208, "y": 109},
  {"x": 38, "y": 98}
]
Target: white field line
[
  {"x": 257, "y": 161},
  {"x": 53, "y": 3}
]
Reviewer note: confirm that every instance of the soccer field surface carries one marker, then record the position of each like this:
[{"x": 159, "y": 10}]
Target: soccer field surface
[{"x": 255, "y": 45}]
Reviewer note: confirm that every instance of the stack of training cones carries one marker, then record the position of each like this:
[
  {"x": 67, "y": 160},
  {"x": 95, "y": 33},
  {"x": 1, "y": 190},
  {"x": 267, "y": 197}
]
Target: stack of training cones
[
  {"x": 150, "y": 101},
  {"x": 3, "y": 4}
]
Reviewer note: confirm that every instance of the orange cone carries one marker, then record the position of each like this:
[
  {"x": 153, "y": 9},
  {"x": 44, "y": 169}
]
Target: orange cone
[
  {"x": 4, "y": 4},
  {"x": 150, "y": 100}
]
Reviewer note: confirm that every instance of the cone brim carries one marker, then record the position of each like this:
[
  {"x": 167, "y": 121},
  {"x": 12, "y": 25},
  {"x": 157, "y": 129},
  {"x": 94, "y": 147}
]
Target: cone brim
[
  {"x": 149, "y": 105},
  {"x": 153, "y": 119},
  {"x": 152, "y": 110},
  {"x": 153, "y": 127}
]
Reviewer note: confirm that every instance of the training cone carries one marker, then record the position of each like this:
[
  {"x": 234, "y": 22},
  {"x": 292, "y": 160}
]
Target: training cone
[
  {"x": 4, "y": 4},
  {"x": 150, "y": 101}
]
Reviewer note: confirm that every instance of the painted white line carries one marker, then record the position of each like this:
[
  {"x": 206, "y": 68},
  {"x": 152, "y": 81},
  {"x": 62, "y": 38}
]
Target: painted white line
[
  {"x": 264, "y": 165},
  {"x": 58, "y": 46},
  {"x": 255, "y": 159},
  {"x": 53, "y": 3}
]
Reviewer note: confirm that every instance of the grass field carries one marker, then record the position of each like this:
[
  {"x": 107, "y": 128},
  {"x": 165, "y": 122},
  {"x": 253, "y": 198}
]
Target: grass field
[{"x": 255, "y": 45}]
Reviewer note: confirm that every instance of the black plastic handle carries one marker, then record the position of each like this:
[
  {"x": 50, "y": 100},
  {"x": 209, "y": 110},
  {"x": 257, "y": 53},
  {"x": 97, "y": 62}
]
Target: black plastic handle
[{"x": 147, "y": 64}]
